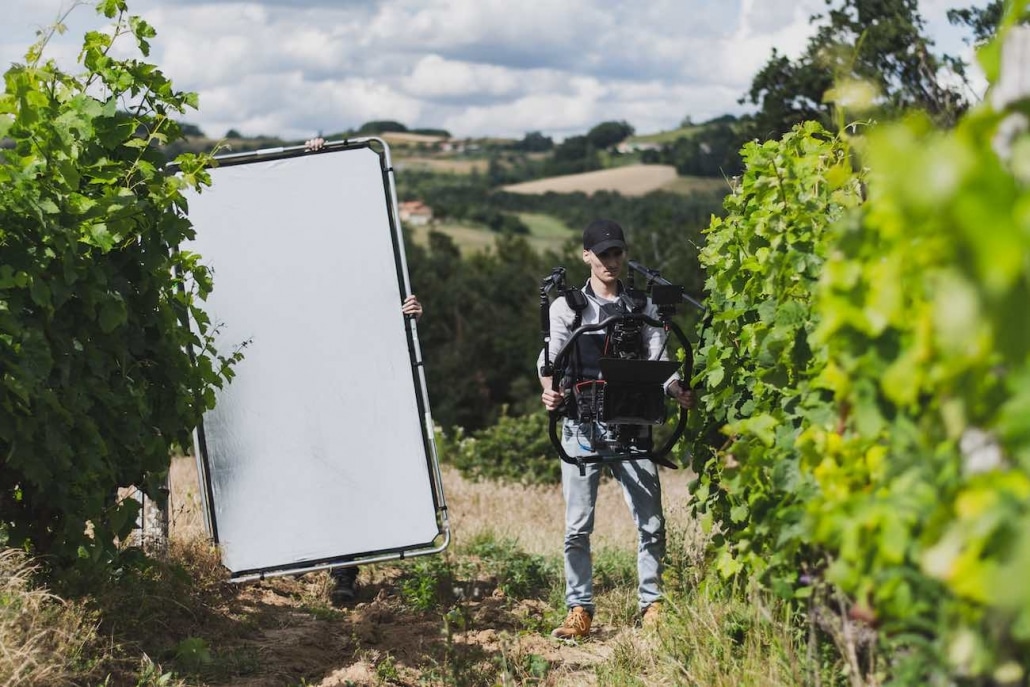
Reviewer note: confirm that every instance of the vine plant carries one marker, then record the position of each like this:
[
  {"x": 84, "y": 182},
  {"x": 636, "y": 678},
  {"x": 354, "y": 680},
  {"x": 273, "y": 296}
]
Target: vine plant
[
  {"x": 96, "y": 382},
  {"x": 868, "y": 368}
]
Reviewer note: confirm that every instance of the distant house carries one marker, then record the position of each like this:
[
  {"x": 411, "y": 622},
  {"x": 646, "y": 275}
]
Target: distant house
[
  {"x": 452, "y": 146},
  {"x": 415, "y": 213},
  {"x": 636, "y": 147}
]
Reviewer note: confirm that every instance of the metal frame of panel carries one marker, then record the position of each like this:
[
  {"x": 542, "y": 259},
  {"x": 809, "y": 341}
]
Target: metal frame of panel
[{"x": 320, "y": 453}]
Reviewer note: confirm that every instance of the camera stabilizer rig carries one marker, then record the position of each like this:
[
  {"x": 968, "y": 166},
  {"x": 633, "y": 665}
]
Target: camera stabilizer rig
[{"x": 628, "y": 397}]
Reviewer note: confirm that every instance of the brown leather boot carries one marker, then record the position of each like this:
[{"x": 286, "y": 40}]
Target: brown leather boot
[
  {"x": 652, "y": 615},
  {"x": 576, "y": 625}
]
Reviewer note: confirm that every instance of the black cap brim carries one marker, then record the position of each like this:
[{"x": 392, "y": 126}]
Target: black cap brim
[{"x": 602, "y": 246}]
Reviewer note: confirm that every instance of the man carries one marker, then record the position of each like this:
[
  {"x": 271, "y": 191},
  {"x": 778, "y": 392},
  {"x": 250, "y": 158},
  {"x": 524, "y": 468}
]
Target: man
[
  {"x": 605, "y": 252},
  {"x": 345, "y": 580}
]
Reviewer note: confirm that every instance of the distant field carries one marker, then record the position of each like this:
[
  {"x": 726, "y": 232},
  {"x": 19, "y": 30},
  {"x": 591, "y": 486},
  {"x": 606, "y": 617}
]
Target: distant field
[
  {"x": 403, "y": 138},
  {"x": 632, "y": 180},
  {"x": 706, "y": 185},
  {"x": 546, "y": 233},
  {"x": 449, "y": 166},
  {"x": 470, "y": 238},
  {"x": 666, "y": 136}
]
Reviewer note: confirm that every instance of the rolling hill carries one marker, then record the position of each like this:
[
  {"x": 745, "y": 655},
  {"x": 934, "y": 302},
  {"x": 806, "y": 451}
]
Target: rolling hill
[{"x": 631, "y": 180}]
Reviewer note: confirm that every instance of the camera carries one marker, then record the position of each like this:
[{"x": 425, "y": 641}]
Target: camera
[{"x": 617, "y": 396}]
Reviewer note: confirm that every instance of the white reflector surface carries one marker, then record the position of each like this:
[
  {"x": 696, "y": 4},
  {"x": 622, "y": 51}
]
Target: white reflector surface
[{"x": 317, "y": 449}]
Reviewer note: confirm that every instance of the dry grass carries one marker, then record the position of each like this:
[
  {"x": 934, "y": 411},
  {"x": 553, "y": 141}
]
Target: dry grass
[
  {"x": 185, "y": 504},
  {"x": 401, "y": 138},
  {"x": 534, "y": 515},
  {"x": 709, "y": 639},
  {"x": 713, "y": 640},
  {"x": 152, "y": 610},
  {"x": 43, "y": 639},
  {"x": 531, "y": 515},
  {"x": 278, "y": 631},
  {"x": 631, "y": 180},
  {"x": 442, "y": 165}
]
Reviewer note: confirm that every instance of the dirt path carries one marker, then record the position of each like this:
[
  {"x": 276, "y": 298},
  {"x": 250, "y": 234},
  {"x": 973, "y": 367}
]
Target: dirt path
[
  {"x": 290, "y": 637},
  {"x": 283, "y": 631}
]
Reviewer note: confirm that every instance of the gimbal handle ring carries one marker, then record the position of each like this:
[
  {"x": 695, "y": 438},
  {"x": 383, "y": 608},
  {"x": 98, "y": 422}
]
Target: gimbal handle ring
[{"x": 556, "y": 414}]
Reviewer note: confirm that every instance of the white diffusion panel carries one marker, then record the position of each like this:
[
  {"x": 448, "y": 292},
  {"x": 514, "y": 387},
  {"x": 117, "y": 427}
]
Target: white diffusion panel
[{"x": 317, "y": 449}]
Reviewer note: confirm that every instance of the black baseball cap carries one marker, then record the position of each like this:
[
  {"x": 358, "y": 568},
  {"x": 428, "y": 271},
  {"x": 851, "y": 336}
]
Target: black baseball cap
[{"x": 602, "y": 234}]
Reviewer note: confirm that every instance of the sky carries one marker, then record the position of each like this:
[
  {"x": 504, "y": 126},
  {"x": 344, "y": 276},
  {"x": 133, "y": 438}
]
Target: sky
[{"x": 296, "y": 68}]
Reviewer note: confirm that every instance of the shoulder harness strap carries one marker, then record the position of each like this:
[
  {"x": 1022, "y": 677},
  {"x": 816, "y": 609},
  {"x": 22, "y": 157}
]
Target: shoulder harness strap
[{"x": 575, "y": 299}]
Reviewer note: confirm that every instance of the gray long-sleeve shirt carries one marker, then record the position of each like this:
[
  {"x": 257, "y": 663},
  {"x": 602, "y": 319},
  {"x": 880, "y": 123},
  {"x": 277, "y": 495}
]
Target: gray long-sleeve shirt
[{"x": 562, "y": 317}]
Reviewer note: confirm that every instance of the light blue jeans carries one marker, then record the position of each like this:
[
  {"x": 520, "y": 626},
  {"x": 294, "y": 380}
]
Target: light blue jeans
[{"x": 643, "y": 493}]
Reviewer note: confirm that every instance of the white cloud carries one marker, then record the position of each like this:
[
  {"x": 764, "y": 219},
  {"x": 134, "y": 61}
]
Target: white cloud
[
  {"x": 476, "y": 67},
  {"x": 436, "y": 77},
  {"x": 554, "y": 113},
  {"x": 491, "y": 31},
  {"x": 762, "y": 26},
  {"x": 292, "y": 107}
]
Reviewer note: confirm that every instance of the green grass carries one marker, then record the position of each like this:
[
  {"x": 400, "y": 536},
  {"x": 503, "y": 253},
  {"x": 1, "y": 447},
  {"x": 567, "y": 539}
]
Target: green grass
[
  {"x": 701, "y": 185},
  {"x": 712, "y": 637},
  {"x": 666, "y": 136},
  {"x": 545, "y": 226},
  {"x": 470, "y": 238},
  {"x": 545, "y": 233},
  {"x": 426, "y": 583},
  {"x": 519, "y": 574}
]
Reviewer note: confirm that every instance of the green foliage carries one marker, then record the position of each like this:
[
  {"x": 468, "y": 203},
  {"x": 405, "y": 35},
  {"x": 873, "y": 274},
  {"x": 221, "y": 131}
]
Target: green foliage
[
  {"x": 982, "y": 21},
  {"x": 386, "y": 670},
  {"x": 432, "y": 132},
  {"x": 764, "y": 261},
  {"x": 151, "y": 675},
  {"x": 879, "y": 42},
  {"x": 96, "y": 384},
  {"x": 534, "y": 142},
  {"x": 923, "y": 317},
  {"x": 718, "y": 637},
  {"x": 519, "y": 574},
  {"x": 574, "y": 155},
  {"x": 615, "y": 569},
  {"x": 536, "y": 666},
  {"x": 191, "y": 130},
  {"x": 870, "y": 370},
  {"x": 481, "y": 333},
  {"x": 381, "y": 126},
  {"x": 193, "y": 654},
  {"x": 500, "y": 222},
  {"x": 514, "y": 449},
  {"x": 607, "y": 134},
  {"x": 427, "y": 583},
  {"x": 711, "y": 151},
  {"x": 626, "y": 666}
]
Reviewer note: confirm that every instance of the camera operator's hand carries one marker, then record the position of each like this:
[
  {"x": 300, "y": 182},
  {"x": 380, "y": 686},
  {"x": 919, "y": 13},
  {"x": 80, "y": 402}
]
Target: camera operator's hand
[
  {"x": 412, "y": 307},
  {"x": 315, "y": 143},
  {"x": 551, "y": 398},
  {"x": 684, "y": 395}
]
